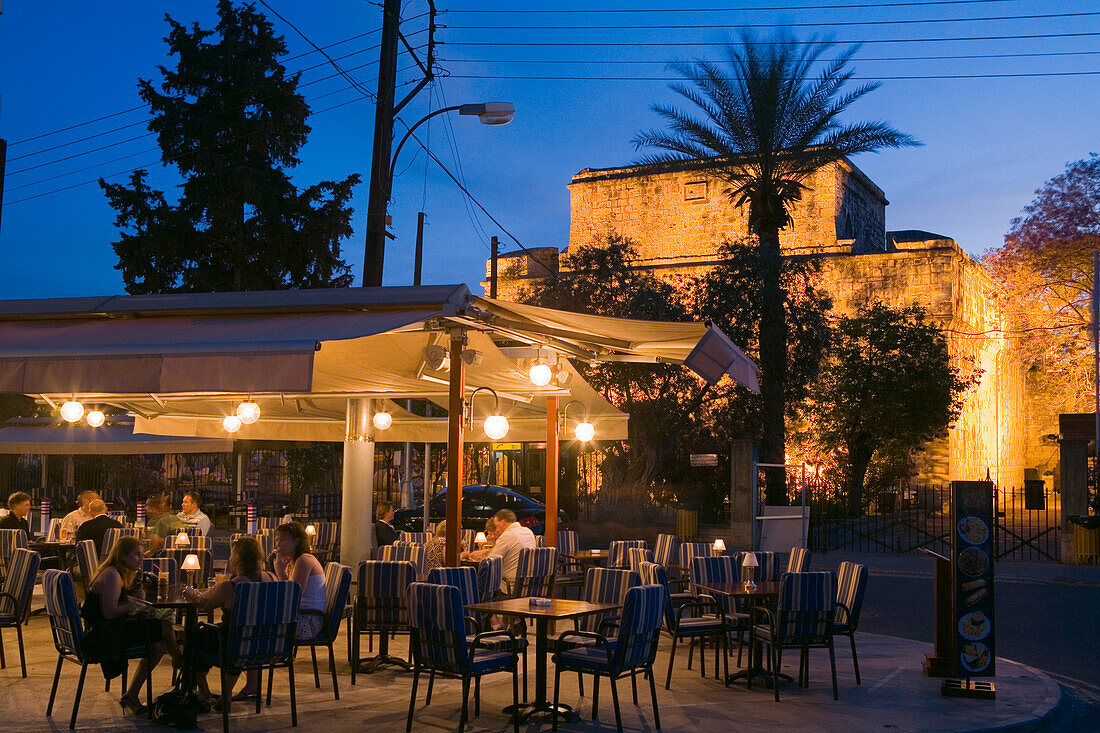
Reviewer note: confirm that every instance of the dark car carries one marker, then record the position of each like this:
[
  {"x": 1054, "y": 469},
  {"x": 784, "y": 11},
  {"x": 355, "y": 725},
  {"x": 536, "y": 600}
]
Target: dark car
[{"x": 478, "y": 504}]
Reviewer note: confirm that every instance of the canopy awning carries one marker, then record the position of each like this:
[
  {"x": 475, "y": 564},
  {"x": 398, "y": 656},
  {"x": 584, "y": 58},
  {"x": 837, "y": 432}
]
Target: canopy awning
[{"x": 112, "y": 439}]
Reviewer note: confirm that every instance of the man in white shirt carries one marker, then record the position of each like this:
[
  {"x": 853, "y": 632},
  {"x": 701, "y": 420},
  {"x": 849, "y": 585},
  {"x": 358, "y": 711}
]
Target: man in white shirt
[
  {"x": 78, "y": 516},
  {"x": 513, "y": 538},
  {"x": 192, "y": 515}
]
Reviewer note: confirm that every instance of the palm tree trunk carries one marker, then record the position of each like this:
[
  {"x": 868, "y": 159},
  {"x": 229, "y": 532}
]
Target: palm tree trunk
[{"x": 773, "y": 365}]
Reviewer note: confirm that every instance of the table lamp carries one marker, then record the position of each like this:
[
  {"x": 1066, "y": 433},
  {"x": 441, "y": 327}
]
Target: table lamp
[
  {"x": 719, "y": 546},
  {"x": 182, "y": 540},
  {"x": 191, "y": 564},
  {"x": 748, "y": 566},
  {"x": 311, "y": 532},
  {"x": 479, "y": 539}
]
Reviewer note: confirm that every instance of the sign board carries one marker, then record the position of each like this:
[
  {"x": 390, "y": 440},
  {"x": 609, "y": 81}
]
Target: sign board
[
  {"x": 704, "y": 459},
  {"x": 973, "y": 531}
]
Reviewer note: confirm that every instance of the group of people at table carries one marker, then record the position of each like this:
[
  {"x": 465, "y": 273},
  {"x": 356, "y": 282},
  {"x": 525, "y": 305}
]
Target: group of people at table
[{"x": 114, "y": 608}]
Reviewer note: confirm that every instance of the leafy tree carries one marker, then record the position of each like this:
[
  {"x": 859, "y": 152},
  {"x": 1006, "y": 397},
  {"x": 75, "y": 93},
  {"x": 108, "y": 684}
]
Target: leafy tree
[
  {"x": 1045, "y": 270},
  {"x": 888, "y": 387},
  {"x": 231, "y": 120},
  {"x": 767, "y": 125}
]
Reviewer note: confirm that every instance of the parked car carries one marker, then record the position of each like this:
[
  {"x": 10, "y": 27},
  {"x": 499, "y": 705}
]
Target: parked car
[{"x": 478, "y": 504}]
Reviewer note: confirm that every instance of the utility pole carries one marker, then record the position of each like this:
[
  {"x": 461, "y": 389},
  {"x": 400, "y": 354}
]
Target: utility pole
[
  {"x": 495, "y": 244},
  {"x": 381, "y": 173},
  {"x": 3, "y": 159},
  {"x": 419, "y": 263}
]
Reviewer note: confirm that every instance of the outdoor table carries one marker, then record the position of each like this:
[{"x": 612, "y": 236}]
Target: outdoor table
[
  {"x": 559, "y": 608},
  {"x": 64, "y": 550},
  {"x": 764, "y": 590},
  {"x": 177, "y": 602},
  {"x": 590, "y": 556}
]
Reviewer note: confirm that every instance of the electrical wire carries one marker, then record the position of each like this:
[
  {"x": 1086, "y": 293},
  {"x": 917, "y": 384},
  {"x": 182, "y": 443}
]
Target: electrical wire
[
  {"x": 707, "y": 44},
  {"x": 732, "y": 9},
  {"x": 857, "y": 59},
  {"x": 902, "y": 77}
]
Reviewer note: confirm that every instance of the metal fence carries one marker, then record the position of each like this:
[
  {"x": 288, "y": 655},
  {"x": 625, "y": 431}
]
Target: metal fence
[{"x": 919, "y": 517}]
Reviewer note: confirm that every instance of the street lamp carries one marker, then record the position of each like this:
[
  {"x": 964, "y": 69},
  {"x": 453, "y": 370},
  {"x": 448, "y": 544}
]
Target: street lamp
[{"x": 488, "y": 113}]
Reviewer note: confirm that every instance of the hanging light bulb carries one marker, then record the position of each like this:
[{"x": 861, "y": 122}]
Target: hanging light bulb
[
  {"x": 496, "y": 426},
  {"x": 72, "y": 411},
  {"x": 248, "y": 412},
  {"x": 96, "y": 418},
  {"x": 584, "y": 431},
  {"x": 541, "y": 374},
  {"x": 231, "y": 423},
  {"x": 382, "y": 420}
]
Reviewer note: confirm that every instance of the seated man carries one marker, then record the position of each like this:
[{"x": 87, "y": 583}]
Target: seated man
[
  {"x": 97, "y": 526},
  {"x": 160, "y": 525},
  {"x": 512, "y": 538},
  {"x": 19, "y": 509},
  {"x": 77, "y": 516},
  {"x": 191, "y": 515}
]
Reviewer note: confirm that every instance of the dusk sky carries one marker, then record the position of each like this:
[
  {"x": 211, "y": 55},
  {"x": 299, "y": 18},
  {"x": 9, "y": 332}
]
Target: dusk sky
[{"x": 998, "y": 114}]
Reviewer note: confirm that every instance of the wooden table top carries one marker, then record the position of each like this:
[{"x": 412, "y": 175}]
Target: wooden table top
[
  {"x": 558, "y": 608},
  {"x": 764, "y": 589},
  {"x": 590, "y": 555}
]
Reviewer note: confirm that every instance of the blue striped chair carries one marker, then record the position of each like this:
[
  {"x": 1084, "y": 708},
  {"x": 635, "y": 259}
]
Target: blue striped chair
[
  {"x": 380, "y": 607},
  {"x": 258, "y": 634},
  {"x": 417, "y": 538},
  {"x": 266, "y": 541},
  {"x": 110, "y": 537},
  {"x": 157, "y": 564},
  {"x": 179, "y": 554},
  {"x": 325, "y": 541},
  {"x": 636, "y": 556},
  {"x": 53, "y": 534},
  {"x": 10, "y": 541},
  {"x": 465, "y": 579},
  {"x": 687, "y": 553},
  {"x": 803, "y": 617},
  {"x": 617, "y": 555},
  {"x": 720, "y": 569},
  {"x": 535, "y": 570},
  {"x": 87, "y": 560},
  {"x": 118, "y": 516},
  {"x": 667, "y": 549},
  {"x": 15, "y": 598},
  {"x": 633, "y": 650},
  {"x": 799, "y": 560},
  {"x": 850, "y": 586},
  {"x": 337, "y": 587},
  {"x": 68, "y": 637},
  {"x": 570, "y": 574},
  {"x": 195, "y": 540},
  {"x": 404, "y": 553},
  {"x": 490, "y": 576},
  {"x": 768, "y": 568},
  {"x": 439, "y": 644}
]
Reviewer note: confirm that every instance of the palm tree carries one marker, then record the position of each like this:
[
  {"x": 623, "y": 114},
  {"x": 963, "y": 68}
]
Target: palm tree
[{"x": 766, "y": 125}]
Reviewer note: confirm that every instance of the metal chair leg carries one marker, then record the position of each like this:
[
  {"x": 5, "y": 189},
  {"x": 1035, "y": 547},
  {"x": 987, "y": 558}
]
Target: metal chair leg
[
  {"x": 79, "y": 692},
  {"x": 557, "y": 690},
  {"x": 653, "y": 694},
  {"x": 634, "y": 682},
  {"x": 22, "y": 655},
  {"x": 293, "y": 700},
  {"x": 431, "y": 684},
  {"x": 332, "y": 668},
  {"x": 855, "y": 659},
  {"x": 316, "y": 676},
  {"x": 615, "y": 700},
  {"x": 412, "y": 701},
  {"x": 465, "y": 704},
  {"x": 832, "y": 664},
  {"x": 671, "y": 659},
  {"x": 53, "y": 690}
]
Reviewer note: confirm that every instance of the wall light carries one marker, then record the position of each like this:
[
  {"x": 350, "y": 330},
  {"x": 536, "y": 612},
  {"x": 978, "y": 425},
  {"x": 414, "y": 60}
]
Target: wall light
[
  {"x": 72, "y": 411},
  {"x": 584, "y": 430},
  {"x": 248, "y": 412},
  {"x": 231, "y": 423},
  {"x": 496, "y": 425},
  {"x": 96, "y": 418}
]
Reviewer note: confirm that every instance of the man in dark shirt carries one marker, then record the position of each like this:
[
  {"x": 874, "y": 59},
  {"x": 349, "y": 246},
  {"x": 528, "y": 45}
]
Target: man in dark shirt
[
  {"x": 97, "y": 526},
  {"x": 384, "y": 533},
  {"x": 19, "y": 508}
]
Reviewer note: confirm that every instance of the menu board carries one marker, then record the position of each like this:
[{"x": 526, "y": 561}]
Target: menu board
[{"x": 973, "y": 524}]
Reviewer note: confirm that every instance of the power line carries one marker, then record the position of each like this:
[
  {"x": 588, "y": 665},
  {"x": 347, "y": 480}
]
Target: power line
[
  {"x": 904, "y": 77},
  {"x": 734, "y": 9},
  {"x": 707, "y": 44},
  {"x": 902, "y": 21},
  {"x": 857, "y": 59}
]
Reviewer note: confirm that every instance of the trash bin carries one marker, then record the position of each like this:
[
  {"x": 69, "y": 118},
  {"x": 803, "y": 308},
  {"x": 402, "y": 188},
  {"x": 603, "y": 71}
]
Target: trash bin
[
  {"x": 687, "y": 524},
  {"x": 1086, "y": 538}
]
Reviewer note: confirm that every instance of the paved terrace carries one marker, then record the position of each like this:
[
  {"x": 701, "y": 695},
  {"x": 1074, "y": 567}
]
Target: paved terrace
[{"x": 895, "y": 695}]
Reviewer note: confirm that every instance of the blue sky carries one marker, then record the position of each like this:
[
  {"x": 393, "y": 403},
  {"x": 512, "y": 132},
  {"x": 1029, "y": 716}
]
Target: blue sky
[{"x": 1024, "y": 108}]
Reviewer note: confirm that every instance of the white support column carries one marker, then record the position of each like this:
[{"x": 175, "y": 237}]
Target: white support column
[{"x": 357, "y": 508}]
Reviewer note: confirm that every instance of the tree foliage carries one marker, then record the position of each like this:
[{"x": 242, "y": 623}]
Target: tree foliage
[
  {"x": 231, "y": 121},
  {"x": 887, "y": 388},
  {"x": 1045, "y": 270},
  {"x": 766, "y": 124}
]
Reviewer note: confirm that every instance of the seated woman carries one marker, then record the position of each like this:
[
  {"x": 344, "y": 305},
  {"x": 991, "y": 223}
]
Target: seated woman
[
  {"x": 112, "y": 626},
  {"x": 293, "y": 561},
  {"x": 490, "y": 539},
  {"x": 246, "y": 561},
  {"x": 435, "y": 552}
]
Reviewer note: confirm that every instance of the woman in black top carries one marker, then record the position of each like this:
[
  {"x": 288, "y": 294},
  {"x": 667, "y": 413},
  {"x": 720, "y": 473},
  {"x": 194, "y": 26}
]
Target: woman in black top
[{"x": 111, "y": 626}]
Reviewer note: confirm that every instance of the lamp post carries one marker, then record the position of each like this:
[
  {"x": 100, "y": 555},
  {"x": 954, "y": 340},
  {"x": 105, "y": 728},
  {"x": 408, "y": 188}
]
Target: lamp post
[{"x": 489, "y": 113}]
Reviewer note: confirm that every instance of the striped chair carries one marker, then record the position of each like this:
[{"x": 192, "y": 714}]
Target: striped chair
[
  {"x": 380, "y": 607},
  {"x": 265, "y": 540},
  {"x": 439, "y": 644},
  {"x": 667, "y": 549},
  {"x": 53, "y": 534},
  {"x": 87, "y": 560},
  {"x": 850, "y": 586},
  {"x": 694, "y": 618},
  {"x": 467, "y": 539},
  {"x": 617, "y": 556},
  {"x": 324, "y": 543},
  {"x": 258, "y": 634},
  {"x": 687, "y": 553},
  {"x": 419, "y": 538},
  {"x": 167, "y": 564},
  {"x": 118, "y": 516},
  {"x": 15, "y": 598},
  {"x": 110, "y": 537},
  {"x": 490, "y": 575},
  {"x": 569, "y": 574},
  {"x": 68, "y": 636},
  {"x": 10, "y": 541},
  {"x": 803, "y": 617},
  {"x": 768, "y": 565},
  {"x": 535, "y": 572},
  {"x": 268, "y": 524},
  {"x": 404, "y": 553},
  {"x": 719, "y": 569},
  {"x": 635, "y": 649},
  {"x": 337, "y": 586},
  {"x": 799, "y": 560},
  {"x": 179, "y": 554},
  {"x": 638, "y": 555}
]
